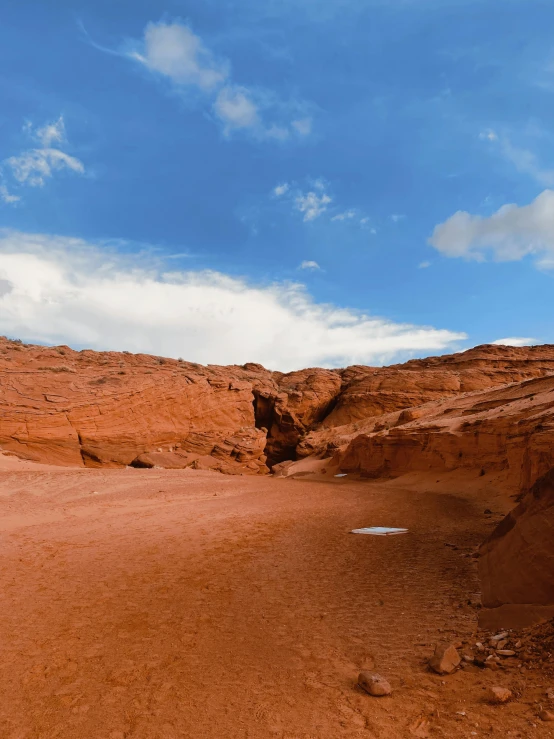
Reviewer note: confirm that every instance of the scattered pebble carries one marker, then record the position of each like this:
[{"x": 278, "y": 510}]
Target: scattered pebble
[
  {"x": 374, "y": 684},
  {"x": 499, "y": 695},
  {"x": 445, "y": 660},
  {"x": 506, "y": 652},
  {"x": 546, "y": 715}
]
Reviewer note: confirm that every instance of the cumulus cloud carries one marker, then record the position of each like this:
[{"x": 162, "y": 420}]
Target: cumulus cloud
[
  {"x": 34, "y": 166},
  {"x": 508, "y": 235},
  {"x": 515, "y": 341},
  {"x": 174, "y": 51},
  {"x": 310, "y": 265},
  {"x": 280, "y": 190},
  {"x": 236, "y": 109},
  {"x": 61, "y": 290},
  {"x": 312, "y": 205}
]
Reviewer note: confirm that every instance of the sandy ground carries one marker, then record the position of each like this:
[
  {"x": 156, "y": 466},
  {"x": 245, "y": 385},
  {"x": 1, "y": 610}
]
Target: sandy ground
[{"x": 166, "y": 604}]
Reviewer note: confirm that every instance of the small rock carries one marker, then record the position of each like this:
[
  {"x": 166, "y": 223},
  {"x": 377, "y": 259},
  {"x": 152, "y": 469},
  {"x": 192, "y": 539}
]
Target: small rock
[
  {"x": 488, "y": 512},
  {"x": 501, "y": 644},
  {"x": 499, "y": 695},
  {"x": 518, "y": 645},
  {"x": 506, "y": 652},
  {"x": 468, "y": 658},
  {"x": 445, "y": 660},
  {"x": 499, "y": 637},
  {"x": 374, "y": 684},
  {"x": 550, "y": 694},
  {"x": 546, "y": 715}
]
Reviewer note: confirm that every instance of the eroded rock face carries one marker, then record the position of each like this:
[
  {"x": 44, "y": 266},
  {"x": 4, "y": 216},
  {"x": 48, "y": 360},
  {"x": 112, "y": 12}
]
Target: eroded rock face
[
  {"x": 372, "y": 399},
  {"x": 110, "y": 409},
  {"x": 517, "y": 561},
  {"x": 509, "y": 429}
]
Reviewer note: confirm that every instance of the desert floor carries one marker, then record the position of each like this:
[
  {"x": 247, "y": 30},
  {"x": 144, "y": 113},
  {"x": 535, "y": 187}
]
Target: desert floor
[{"x": 165, "y": 604}]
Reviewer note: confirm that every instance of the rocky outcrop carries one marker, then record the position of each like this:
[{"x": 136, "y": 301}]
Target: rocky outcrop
[
  {"x": 517, "y": 561},
  {"x": 510, "y": 429},
  {"x": 370, "y": 397},
  {"x": 114, "y": 409}
]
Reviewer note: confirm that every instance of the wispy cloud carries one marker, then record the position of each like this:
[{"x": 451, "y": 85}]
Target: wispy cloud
[
  {"x": 309, "y": 265},
  {"x": 34, "y": 166},
  {"x": 316, "y": 201},
  {"x": 65, "y": 290},
  {"x": 347, "y": 215},
  {"x": 424, "y": 265},
  {"x": 7, "y": 197},
  {"x": 510, "y": 234},
  {"x": 516, "y": 341},
  {"x": 174, "y": 52},
  {"x": 523, "y": 159}
]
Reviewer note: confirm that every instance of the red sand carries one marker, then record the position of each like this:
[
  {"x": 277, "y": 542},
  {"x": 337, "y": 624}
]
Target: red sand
[{"x": 162, "y": 604}]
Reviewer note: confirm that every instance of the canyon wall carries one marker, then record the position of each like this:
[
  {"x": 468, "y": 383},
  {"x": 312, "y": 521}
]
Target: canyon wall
[
  {"x": 91, "y": 408},
  {"x": 488, "y": 410}
]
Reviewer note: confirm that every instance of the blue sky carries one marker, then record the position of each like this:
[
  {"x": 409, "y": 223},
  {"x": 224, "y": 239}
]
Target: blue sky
[{"x": 294, "y": 183}]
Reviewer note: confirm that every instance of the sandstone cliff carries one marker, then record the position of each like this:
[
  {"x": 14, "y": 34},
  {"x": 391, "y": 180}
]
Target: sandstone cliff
[
  {"x": 489, "y": 410},
  {"x": 112, "y": 409}
]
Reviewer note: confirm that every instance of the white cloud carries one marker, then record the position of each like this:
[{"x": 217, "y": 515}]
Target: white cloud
[
  {"x": 316, "y": 202},
  {"x": 236, "y": 109},
  {"x": 397, "y": 217},
  {"x": 280, "y": 190},
  {"x": 312, "y": 205},
  {"x": 347, "y": 215},
  {"x": 62, "y": 290},
  {"x": 7, "y": 197},
  {"x": 35, "y": 166},
  {"x": 424, "y": 265},
  {"x": 508, "y": 235},
  {"x": 50, "y": 132},
  {"x": 310, "y": 265},
  {"x": 515, "y": 341},
  {"x": 174, "y": 51}
]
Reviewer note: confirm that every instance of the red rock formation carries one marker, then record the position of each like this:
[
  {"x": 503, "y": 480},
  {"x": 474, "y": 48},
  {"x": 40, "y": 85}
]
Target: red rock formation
[
  {"x": 517, "y": 561},
  {"x": 509, "y": 429},
  {"x": 110, "y": 409}
]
